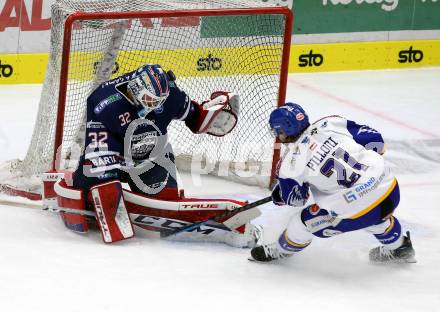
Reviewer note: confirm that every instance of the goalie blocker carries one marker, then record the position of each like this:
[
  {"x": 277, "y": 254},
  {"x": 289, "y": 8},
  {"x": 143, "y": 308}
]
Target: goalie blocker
[{"x": 117, "y": 209}]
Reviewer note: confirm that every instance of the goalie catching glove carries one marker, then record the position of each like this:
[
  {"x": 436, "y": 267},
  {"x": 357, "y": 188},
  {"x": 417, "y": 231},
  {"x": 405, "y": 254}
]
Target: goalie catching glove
[{"x": 218, "y": 116}]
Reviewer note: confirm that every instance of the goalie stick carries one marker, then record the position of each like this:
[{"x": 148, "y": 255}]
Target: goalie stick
[
  {"x": 72, "y": 211},
  {"x": 46, "y": 208},
  {"x": 192, "y": 226},
  {"x": 164, "y": 233}
]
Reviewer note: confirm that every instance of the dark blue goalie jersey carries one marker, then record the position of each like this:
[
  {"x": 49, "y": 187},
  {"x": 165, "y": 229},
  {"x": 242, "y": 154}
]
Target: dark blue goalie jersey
[{"x": 119, "y": 132}]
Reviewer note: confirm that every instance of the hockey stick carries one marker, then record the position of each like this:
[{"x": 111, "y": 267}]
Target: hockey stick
[
  {"x": 18, "y": 204},
  {"x": 70, "y": 210},
  {"x": 47, "y": 208},
  {"x": 192, "y": 226}
]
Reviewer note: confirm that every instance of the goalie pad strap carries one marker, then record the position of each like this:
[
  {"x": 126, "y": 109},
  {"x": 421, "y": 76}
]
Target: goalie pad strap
[{"x": 111, "y": 214}]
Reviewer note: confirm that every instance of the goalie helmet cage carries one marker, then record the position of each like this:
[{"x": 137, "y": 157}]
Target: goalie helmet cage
[{"x": 237, "y": 46}]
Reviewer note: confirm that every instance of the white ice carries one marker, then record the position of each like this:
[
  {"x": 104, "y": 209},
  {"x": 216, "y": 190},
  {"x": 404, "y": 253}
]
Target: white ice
[{"x": 44, "y": 267}]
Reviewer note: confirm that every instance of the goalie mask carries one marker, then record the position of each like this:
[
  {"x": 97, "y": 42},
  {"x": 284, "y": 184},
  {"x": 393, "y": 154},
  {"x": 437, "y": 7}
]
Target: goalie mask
[{"x": 150, "y": 88}]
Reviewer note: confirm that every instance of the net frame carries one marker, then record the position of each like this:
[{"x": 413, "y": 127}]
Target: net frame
[
  {"x": 84, "y": 16},
  {"x": 62, "y": 97}
]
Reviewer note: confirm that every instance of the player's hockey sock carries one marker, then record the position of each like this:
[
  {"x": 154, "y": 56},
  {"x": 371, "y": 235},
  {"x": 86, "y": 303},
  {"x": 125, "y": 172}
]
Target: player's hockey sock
[
  {"x": 289, "y": 246},
  {"x": 283, "y": 248},
  {"x": 111, "y": 214},
  {"x": 392, "y": 236}
]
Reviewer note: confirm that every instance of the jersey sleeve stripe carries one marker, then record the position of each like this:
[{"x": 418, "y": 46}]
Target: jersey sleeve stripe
[{"x": 185, "y": 114}]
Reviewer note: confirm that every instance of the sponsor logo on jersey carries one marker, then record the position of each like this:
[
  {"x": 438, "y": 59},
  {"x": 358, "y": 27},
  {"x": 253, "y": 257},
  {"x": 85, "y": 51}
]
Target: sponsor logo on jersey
[
  {"x": 151, "y": 135},
  {"x": 313, "y": 146},
  {"x": 143, "y": 143},
  {"x": 310, "y": 59},
  {"x": 209, "y": 63},
  {"x": 366, "y": 185},
  {"x": 6, "y": 70},
  {"x": 350, "y": 197},
  {"x": 363, "y": 189},
  {"x": 305, "y": 140},
  {"x": 370, "y": 186},
  {"x": 94, "y": 125},
  {"x": 108, "y": 175},
  {"x": 106, "y": 102},
  {"x": 324, "y": 124},
  {"x": 410, "y": 55}
]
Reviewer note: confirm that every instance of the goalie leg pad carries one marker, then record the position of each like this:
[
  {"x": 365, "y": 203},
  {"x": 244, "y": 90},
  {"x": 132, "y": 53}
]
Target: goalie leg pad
[
  {"x": 111, "y": 214},
  {"x": 217, "y": 233},
  {"x": 68, "y": 197}
]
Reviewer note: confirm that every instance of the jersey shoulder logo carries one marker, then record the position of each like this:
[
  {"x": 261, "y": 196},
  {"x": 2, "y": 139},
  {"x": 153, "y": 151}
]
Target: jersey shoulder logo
[{"x": 366, "y": 129}]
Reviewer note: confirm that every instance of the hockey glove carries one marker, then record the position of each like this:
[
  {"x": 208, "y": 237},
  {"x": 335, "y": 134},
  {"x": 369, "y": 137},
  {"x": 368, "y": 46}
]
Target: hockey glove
[
  {"x": 218, "y": 116},
  {"x": 292, "y": 193},
  {"x": 276, "y": 196}
]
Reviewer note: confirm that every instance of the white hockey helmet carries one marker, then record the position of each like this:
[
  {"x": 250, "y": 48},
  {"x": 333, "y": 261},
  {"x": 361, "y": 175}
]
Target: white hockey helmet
[{"x": 150, "y": 87}]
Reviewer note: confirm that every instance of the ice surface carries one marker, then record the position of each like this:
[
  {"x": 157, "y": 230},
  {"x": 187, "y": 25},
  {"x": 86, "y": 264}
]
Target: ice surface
[{"x": 44, "y": 267}]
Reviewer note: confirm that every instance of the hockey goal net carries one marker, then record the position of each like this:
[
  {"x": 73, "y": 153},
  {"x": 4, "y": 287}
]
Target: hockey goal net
[{"x": 238, "y": 46}]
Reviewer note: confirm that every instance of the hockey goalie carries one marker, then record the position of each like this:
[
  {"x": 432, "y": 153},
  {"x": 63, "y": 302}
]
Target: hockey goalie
[{"x": 126, "y": 143}]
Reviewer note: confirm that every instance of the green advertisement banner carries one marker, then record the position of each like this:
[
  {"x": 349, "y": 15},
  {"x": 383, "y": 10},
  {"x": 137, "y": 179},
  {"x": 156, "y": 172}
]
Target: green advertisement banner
[
  {"x": 336, "y": 16},
  {"x": 242, "y": 26}
]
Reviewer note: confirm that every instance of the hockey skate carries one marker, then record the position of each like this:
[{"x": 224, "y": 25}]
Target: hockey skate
[
  {"x": 403, "y": 254},
  {"x": 267, "y": 253}
]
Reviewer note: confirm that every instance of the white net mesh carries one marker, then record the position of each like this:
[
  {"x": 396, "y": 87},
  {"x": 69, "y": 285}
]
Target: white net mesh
[{"x": 233, "y": 52}]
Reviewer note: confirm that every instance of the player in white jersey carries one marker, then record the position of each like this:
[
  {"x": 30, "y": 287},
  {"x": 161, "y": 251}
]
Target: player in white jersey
[{"x": 335, "y": 167}]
